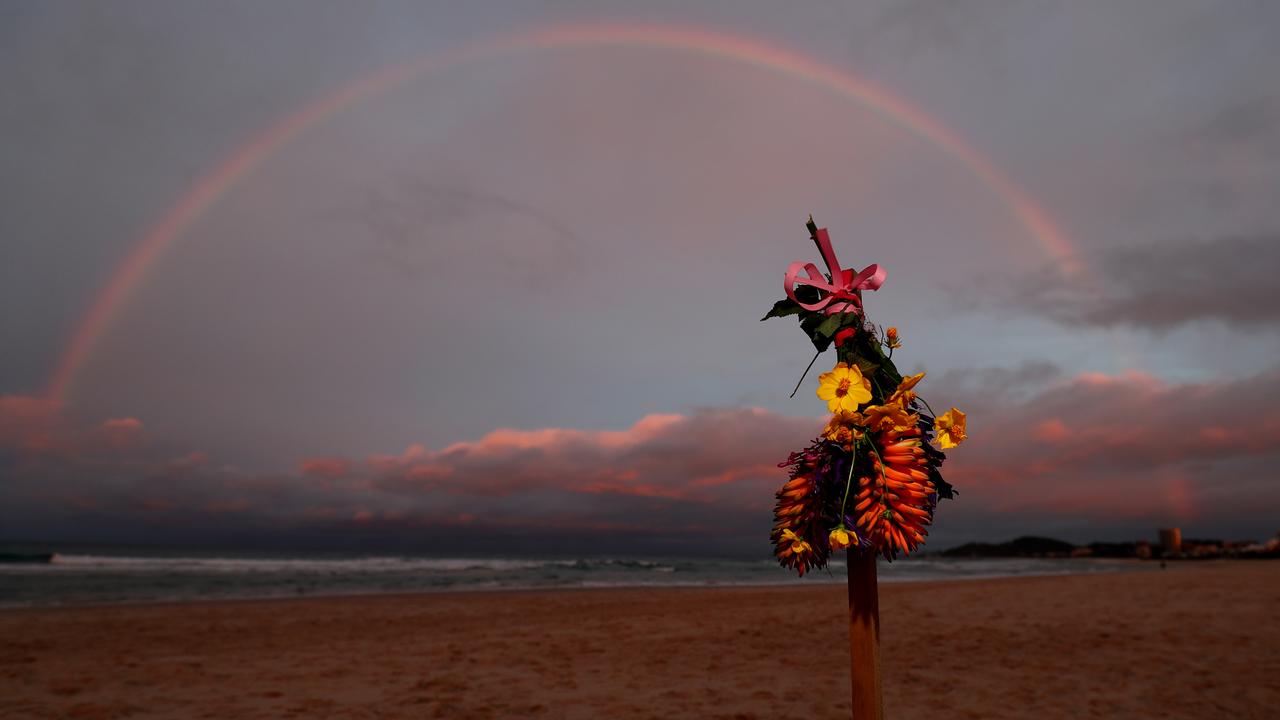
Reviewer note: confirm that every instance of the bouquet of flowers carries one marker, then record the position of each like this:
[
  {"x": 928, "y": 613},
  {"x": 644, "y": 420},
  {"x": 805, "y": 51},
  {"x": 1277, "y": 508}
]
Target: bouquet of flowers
[{"x": 872, "y": 480}]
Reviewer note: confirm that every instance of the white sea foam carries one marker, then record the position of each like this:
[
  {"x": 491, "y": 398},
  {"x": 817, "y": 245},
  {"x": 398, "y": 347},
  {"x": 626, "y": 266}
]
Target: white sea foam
[
  {"x": 75, "y": 563},
  {"x": 82, "y": 577}
]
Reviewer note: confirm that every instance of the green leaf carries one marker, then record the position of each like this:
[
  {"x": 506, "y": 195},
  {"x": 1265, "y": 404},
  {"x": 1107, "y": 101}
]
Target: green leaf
[
  {"x": 868, "y": 366},
  {"x": 866, "y": 345},
  {"x": 823, "y": 328},
  {"x": 809, "y": 322},
  {"x": 808, "y": 294},
  {"x": 946, "y": 491},
  {"x": 783, "y": 308},
  {"x": 829, "y": 327}
]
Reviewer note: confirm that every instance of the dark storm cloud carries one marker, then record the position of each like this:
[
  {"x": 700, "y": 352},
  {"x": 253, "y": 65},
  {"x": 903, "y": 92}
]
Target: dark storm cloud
[
  {"x": 1084, "y": 455},
  {"x": 1162, "y": 286}
]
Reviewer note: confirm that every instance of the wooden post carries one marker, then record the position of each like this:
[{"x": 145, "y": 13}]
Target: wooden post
[{"x": 864, "y": 636}]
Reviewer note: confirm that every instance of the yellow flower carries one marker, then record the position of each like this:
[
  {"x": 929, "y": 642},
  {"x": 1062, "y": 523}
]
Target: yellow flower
[
  {"x": 909, "y": 382},
  {"x": 949, "y": 427},
  {"x": 891, "y": 338},
  {"x": 798, "y": 545},
  {"x": 841, "y": 417},
  {"x": 902, "y": 400},
  {"x": 845, "y": 437},
  {"x": 890, "y": 417},
  {"x": 904, "y": 395},
  {"x": 841, "y": 429},
  {"x": 842, "y": 537},
  {"x": 844, "y": 388}
]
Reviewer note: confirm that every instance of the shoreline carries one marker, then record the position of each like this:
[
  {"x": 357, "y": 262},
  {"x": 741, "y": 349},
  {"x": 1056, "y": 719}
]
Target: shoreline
[
  {"x": 1117, "y": 565},
  {"x": 1195, "y": 641},
  {"x": 1120, "y": 565},
  {"x": 464, "y": 592}
]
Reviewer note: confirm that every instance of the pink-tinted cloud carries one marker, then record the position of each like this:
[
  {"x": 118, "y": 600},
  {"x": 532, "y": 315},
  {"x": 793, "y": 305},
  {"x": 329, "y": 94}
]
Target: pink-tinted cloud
[
  {"x": 326, "y": 467},
  {"x": 120, "y": 433},
  {"x": 1125, "y": 446},
  {"x": 1093, "y": 449},
  {"x": 36, "y": 427},
  {"x": 665, "y": 473},
  {"x": 1052, "y": 430},
  {"x": 30, "y": 424},
  {"x": 668, "y": 456}
]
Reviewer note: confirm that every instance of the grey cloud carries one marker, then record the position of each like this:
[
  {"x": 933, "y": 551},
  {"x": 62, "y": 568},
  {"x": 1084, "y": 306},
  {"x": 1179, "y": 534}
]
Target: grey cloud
[
  {"x": 411, "y": 224},
  {"x": 1162, "y": 286},
  {"x": 1248, "y": 120},
  {"x": 916, "y": 24},
  {"x": 994, "y": 385}
]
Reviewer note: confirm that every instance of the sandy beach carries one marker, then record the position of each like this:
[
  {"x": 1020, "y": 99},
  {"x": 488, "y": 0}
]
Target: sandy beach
[{"x": 1194, "y": 641}]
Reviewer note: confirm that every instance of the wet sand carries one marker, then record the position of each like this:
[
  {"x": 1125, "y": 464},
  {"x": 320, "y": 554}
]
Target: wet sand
[{"x": 1199, "y": 640}]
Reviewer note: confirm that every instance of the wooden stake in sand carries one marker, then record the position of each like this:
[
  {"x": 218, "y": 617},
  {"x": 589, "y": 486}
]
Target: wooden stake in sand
[
  {"x": 864, "y": 637},
  {"x": 870, "y": 483}
]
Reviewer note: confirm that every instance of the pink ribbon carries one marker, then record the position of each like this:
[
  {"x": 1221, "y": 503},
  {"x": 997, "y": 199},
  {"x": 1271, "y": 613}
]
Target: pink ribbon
[{"x": 843, "y": 294}]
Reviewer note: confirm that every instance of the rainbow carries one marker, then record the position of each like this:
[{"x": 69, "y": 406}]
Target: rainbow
[{"x": 209, "y": 188}]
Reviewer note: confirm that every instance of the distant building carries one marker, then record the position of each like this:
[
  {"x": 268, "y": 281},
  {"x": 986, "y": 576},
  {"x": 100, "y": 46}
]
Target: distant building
[
  {"x": 1143, "y": 550},
  {"x": 1171, "y": 540}
]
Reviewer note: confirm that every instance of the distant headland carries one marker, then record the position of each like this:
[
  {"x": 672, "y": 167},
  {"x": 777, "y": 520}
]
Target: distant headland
[{"x": 1170, "y": 546}]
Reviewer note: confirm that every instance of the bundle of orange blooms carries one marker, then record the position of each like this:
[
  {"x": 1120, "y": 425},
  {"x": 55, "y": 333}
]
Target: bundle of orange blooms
[{"x": 871, "y": 481}]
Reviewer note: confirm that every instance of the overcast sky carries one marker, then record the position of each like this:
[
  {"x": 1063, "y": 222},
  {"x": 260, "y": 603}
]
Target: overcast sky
[{"x": 514, "y": 299}]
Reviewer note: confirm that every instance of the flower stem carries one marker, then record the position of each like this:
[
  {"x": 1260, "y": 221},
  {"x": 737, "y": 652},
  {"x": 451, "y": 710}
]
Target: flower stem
[
  {"x": 926, "y": 404},
  {"x": 806, "y": 373},
  {"x": 879, "y": 389},
  {"x": 848, "y": 483}
]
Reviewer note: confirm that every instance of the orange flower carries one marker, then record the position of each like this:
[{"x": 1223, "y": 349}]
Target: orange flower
[
  {"x": 895, "y": 503},
  {"x": 891, "y": 338},
  {"x": 799, "y": 526}
]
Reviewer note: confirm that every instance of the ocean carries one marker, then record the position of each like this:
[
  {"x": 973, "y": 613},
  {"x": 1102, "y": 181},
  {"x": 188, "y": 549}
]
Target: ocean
[{"x": 94, "y": 575}]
